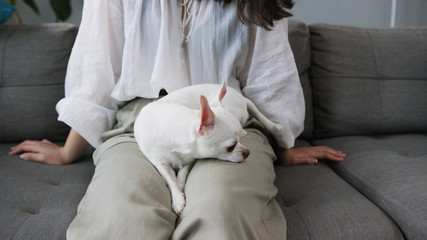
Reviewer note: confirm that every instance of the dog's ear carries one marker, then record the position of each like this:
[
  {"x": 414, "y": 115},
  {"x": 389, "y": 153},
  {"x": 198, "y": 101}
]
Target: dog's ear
[
  {"x": 207, "y": 117},
  {"x": 216, "y": 102}
]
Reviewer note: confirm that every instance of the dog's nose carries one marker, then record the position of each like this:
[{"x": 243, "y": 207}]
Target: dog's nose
[{"x": 245, "y": 154}]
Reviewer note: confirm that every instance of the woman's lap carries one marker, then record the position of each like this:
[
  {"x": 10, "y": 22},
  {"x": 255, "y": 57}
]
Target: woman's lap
[
  {"x": 233, "y": 200},
  {"x": 128, "y": 199}
]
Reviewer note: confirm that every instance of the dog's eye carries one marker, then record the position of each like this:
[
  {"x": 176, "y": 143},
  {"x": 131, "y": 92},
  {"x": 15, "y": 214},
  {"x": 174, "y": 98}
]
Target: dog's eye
[{"x": 231, "y": 148}]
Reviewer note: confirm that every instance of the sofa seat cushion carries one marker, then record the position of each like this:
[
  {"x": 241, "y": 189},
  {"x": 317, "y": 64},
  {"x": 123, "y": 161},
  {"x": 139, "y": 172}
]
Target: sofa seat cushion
[
  {"x": 39, "y": 201},
  {"x": 390, "y": 170},
  {"x": 318, "y": 204}
]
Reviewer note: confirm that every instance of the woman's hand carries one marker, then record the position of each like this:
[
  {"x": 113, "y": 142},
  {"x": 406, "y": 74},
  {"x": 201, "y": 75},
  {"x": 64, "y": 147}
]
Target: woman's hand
[
  {"x": 41, "y": 151},
  {"x": 47, "y": 152},
  {"x": 308, "y": 155}
]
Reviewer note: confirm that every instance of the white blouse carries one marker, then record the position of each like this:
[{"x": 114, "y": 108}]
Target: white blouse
[{"x": 135, "y": 48}]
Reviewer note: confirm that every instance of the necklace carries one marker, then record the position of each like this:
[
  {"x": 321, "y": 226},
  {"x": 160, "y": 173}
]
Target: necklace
[{"x": 186, "y": 17}]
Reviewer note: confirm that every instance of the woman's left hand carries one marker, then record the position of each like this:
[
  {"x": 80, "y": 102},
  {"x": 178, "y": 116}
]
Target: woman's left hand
[{"x": 308, "y": 155}]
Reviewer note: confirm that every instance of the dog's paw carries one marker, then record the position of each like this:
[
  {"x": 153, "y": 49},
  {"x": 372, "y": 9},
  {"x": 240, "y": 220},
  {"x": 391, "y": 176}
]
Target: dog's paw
[
  {"x": 178, "y": 204},
  {"x": 178, "y": 208}
]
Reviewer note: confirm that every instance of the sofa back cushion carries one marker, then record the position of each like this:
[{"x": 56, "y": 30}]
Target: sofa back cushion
[
  {"x": 299, "y": 39},
  {"x": 368, "y": 81},
  {"x": 33, "y": 61}
]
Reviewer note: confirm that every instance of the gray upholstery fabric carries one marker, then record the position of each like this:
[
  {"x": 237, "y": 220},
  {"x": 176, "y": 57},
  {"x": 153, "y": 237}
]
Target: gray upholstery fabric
[
  {"x": 299, "y": 39},
  {"x": 318, "y": 204},
  {"x": 391, "y": 170},
  {"x": 38, "y": 201},
  {"x": 368, "y": 81},
  {"x": 33, "y": 61}
]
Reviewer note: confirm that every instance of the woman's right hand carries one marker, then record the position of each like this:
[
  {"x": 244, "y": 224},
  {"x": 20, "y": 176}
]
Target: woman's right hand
[{"x": 50, "y": 153}]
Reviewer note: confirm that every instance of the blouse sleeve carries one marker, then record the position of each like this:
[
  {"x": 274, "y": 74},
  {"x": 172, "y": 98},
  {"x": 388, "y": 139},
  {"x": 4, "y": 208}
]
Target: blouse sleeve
[
  {"x": 270, "y": 79},
  {"x": 93, "y": 69}
]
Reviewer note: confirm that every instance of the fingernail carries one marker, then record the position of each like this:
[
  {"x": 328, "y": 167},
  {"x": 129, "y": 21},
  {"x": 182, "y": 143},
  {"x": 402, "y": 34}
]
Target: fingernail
[
  {"x": 21, "y": 156},
  {"x": 316, "y": 162}
]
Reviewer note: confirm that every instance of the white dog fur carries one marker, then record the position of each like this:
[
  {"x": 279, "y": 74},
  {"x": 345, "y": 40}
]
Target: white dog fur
[{"x": 183, "y": 126}]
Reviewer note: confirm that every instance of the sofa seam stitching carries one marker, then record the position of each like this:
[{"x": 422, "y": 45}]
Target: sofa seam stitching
[
  {"x": 3, "y": 57},
  {"x": 2, "y": 80},
  {"x": 381, "y": 126}
]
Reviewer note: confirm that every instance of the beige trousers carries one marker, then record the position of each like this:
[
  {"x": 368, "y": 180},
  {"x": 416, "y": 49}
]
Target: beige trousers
[{"x": 128, "y": 199}]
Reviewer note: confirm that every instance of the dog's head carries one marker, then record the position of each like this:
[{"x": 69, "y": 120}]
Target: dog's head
[{"x": 219, "y": 131}]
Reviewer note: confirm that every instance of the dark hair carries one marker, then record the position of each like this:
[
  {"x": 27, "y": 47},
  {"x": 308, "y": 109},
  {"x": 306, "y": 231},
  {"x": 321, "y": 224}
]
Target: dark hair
[{"x": 262, "y": 12}]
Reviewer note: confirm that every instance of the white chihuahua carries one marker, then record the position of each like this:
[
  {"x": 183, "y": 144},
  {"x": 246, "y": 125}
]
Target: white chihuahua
[{"x": 176, "y": 130}]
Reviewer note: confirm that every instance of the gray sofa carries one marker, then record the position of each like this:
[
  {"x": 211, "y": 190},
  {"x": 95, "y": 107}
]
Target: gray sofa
[{"x": 366, "y": 94}]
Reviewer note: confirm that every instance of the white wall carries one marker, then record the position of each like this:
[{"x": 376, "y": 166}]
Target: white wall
[
  {"x": 411, "y": 13},
  {"x": 368, "y": 13}
]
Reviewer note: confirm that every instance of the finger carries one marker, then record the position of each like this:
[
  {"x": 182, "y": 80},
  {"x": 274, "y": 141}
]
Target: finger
[
  {"x": 334, "y": 157},
  {"x": 330, "y": 156},
  {"x": 312, "y": 161},
  {"x": 16, "y": 149},
  {"x": 328, "y": 153},
  {"x": 47, "y": 141},
  {"x": 27, "y": 147},
  {"x": 336, "y": 153},
  {"x": 35, "y": 157},
  {"x": 26, "y": 142},
  {"x": 24, "y": 146},
  {"x": 307, "y": 160}
]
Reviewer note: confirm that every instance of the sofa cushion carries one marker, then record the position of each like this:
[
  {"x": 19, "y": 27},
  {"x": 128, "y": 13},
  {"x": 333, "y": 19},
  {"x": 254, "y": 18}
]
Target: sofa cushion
[
  {"x": 368, "y": 81},
  {"x": 318, "y": 204},
  {"x": 391, "y": 170},
  {"x": 299, "y": 39},
  {"x": 33, "y": 62},
  {"x": 39, "y": 201}
]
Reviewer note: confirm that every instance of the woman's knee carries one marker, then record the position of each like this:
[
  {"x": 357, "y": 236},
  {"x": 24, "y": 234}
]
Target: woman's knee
[{"x": 219, "y": 192}]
